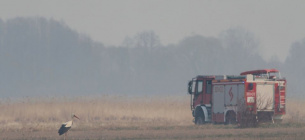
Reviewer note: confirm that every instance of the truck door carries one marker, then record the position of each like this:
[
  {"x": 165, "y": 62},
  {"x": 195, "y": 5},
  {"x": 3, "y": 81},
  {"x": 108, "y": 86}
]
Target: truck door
[
  {"x": 207, "y": 91},
  {"x": 218, "y": 102},
  {"x": 198, "y": 97},
  {"x": 265, "y": 96}
]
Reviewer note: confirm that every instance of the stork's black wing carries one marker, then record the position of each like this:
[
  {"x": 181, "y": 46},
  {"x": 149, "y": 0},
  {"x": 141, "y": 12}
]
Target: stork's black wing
[{"x": 63, "y": 129}]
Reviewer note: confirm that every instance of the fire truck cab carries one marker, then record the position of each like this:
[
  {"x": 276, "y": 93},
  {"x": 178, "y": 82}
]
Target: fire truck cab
[{"x": 224, "y": 98}]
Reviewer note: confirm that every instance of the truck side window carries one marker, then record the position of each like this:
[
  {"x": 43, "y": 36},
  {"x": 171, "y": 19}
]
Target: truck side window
[
  {"x": 208, "y": 87},
  {"x": 199, "y": 87},
  {"x": 193, "y": 87},
  {"x": 250, "y": 86}
]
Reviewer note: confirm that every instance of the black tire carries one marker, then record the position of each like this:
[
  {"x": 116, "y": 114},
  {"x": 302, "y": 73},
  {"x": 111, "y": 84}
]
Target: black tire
[
  {"x": 248, "y": 120},
  {"x": 199, "y": 118},
  {"x": 254, "y": 121},
  {"x": 278, "y": 121},
  {"x": 265, "y": 117},
  {"x": 230, "y": 118}
]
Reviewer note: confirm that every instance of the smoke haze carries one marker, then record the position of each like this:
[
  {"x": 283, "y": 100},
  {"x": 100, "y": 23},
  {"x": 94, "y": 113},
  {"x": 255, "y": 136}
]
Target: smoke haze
[{"x": 46, "y": 57}]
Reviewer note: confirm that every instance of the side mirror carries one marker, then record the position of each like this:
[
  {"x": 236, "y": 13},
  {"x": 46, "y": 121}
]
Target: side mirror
[{"x": 190, "y": 87}]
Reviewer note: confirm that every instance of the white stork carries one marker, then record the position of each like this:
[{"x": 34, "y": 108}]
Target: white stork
[{"x": 66, "y": 126}]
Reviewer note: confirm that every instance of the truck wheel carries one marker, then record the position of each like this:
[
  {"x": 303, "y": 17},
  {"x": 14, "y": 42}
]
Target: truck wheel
[
  {"x": 230, "y": 118},
  {"x": 264, "y": 117},
  {"x": 199, "y": 118},
  {"x": 278, "y": 120},
  {"x": 254, "y": 121}
]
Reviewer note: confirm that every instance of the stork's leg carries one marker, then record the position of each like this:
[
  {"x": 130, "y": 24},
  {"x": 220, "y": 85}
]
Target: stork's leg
[{"x": 65, "y": 136}]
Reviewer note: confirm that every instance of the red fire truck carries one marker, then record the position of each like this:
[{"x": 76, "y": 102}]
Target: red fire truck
[{"x": 225, "y": 98}]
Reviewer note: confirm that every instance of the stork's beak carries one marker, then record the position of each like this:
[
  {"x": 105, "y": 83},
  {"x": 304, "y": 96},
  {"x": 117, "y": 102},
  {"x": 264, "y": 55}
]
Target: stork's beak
[{"x": 76, "y": 117}]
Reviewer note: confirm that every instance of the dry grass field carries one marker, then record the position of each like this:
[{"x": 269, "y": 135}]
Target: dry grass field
[{"x": 123, "y": 117}]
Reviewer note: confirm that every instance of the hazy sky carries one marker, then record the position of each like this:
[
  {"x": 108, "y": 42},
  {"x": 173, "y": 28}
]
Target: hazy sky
[{"x": 276, "y": 23}]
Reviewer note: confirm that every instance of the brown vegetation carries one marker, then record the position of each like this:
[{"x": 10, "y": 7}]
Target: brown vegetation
[
  {"x": 123, "y": 117},
  {"x": 104, "y": 111}
]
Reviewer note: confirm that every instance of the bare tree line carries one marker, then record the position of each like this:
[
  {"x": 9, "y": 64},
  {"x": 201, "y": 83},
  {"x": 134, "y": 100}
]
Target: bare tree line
[{"x": 44, "y": 56}]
